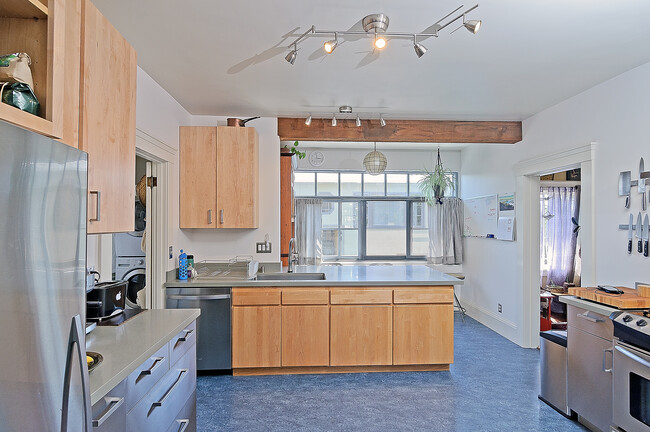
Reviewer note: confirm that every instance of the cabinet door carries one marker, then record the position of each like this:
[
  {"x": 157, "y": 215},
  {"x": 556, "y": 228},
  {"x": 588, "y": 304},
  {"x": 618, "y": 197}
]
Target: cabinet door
[
  {"x": 590, "y": 386},
  {"x": 256, "y": 336},
  {"x": 108, "y": 88},
  {"x": 198, "y": 177},
  {"x": 424, "y": 334},
  {"x": 237, "y": 177},
  {"x": 361, "y": 335},
  {"x": 305, "y": 336}
]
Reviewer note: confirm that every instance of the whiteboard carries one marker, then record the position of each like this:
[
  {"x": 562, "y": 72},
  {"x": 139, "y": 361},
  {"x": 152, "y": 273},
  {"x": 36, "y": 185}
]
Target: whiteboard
[{"x": 480, "y": 216}]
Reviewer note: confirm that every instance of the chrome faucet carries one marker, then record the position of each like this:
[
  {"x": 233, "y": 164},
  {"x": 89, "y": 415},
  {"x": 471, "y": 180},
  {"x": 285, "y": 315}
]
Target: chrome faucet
[{"x": 293, "y": 255}]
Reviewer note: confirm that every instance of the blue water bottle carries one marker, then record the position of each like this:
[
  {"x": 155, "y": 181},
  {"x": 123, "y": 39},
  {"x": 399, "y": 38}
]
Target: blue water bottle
[{"x": 182, "y": 266}]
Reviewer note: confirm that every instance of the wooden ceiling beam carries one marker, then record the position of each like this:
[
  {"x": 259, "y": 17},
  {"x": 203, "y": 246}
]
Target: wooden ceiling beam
[{"x": 417, "y": 131}]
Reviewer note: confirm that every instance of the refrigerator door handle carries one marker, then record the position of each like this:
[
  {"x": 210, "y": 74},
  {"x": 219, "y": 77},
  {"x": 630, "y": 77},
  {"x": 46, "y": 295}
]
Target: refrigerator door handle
[{"x": 75, "y": 340}]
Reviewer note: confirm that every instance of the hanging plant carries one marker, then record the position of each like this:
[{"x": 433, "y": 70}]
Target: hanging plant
[
  {"x": 294, "y": 150},
  {"x": 434, "y": 183}
]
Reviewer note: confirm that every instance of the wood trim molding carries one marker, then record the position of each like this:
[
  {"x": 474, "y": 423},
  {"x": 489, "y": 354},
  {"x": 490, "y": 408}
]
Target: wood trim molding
[{"x": 432, "y": 131}]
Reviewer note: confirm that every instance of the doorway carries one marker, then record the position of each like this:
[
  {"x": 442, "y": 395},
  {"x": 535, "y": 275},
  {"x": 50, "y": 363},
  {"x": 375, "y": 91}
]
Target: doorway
[{"x": 560, "y": 248}]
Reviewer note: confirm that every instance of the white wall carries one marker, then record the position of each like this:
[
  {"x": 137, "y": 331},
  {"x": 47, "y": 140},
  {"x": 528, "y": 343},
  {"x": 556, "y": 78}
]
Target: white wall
[
  {"x": 613, "y": 114},
  {"x": 411, "y": 160}
]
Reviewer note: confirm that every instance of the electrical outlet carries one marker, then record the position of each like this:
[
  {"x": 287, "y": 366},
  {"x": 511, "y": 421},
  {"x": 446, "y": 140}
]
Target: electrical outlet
[
  {"x": 263, "y": 247},
  {"x": 171, "y": 252},
  {"x": 500, "y": 308}
]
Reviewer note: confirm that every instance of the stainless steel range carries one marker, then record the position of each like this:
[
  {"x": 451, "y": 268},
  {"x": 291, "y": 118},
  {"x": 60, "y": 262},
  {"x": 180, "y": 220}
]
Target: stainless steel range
[{"x": 631, "y": 370}]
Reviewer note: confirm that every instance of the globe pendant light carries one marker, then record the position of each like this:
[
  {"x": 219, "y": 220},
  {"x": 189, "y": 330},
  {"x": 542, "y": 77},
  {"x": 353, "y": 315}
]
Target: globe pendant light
[{"x": 375, "y": 162}]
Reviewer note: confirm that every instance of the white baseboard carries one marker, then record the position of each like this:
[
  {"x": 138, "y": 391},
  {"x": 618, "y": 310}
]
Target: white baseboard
[{"x": 504, "y": 327}]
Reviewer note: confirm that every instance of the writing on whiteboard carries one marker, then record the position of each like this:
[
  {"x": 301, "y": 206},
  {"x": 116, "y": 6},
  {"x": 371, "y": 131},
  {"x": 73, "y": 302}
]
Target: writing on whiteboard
[{"x": 480, "y": 216}]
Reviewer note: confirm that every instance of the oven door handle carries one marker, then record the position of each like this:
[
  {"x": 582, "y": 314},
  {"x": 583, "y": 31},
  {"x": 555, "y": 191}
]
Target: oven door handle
[
  {"x": 199, "y": 297},
  {"x": 632, "y": 356}
]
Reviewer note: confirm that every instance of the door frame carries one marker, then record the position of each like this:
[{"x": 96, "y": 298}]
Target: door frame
[
  {"x": 528, "y": 174},
  {"x": 162, "y": 157}
]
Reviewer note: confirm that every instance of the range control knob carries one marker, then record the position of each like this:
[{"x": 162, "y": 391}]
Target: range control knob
[
  {"x": 642, "y": 323},
  {"x": 627, "y": 318}
]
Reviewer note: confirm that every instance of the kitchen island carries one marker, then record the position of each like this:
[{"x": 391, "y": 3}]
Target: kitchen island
[{"x": 357, "y": 319}]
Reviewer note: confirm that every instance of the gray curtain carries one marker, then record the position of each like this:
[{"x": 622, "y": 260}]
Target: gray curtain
[
  {"x": 309, "y": 231},
  {"x": 446, "y": 232},
  {"x": 559, "y": 244}
]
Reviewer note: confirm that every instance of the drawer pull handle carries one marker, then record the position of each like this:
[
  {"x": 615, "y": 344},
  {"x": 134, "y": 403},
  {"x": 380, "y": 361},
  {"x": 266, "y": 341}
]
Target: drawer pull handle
[
  {"x": 187, "y": 335},
  {"x": 209, "y": 216},
  {"x": 114, "y": 403},
  {"x": 157, "y": 361},
  {"x": 185, "y": 423},
  {"x": 590, "y": 319},
  {"x": 221, "y": 216},
  {"x": 171, "y": 389},
  {"x": 99, "y": 206}
]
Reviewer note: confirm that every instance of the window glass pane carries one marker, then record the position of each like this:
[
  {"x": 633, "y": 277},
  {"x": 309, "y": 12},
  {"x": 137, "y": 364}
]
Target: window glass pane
[
  {"x": 373, "y": 185},
  {"x": 386, "y": 228},
  {"x": 350, "y": 214},
  {"x": 419, "y": 215},
  {"x": 304, "y": 183},
  {"x": 414, "y": 187},
  {"x": 452, "y": 191},
  {"x": 330, "y": 242},
  {"x": 350, "y": 243},
  {"x": 419, "y": 242},
  {"x": 350, "y": 184},
  {"x": 328, "y": 184},
  {"x": 330, "y": 214},
  {"x": 396, "y": 184}
]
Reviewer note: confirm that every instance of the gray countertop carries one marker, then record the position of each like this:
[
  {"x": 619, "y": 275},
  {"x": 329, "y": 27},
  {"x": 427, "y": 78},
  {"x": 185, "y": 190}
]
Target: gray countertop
[
  {"x": 344, "y": 275},
  {"x": 127, "y": 346},
  {"x": 588, "y": 305}
]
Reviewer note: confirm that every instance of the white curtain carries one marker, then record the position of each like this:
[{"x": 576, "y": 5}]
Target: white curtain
[
  {"x": 446, "y": 232},
  {"x": 559, "y": 242},
  {"x": 309, "y": 231}
]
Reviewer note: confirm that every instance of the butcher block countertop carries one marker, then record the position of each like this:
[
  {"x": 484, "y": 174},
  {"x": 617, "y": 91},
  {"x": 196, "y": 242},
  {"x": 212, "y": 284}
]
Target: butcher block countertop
[{"x": 630, "y": 299}]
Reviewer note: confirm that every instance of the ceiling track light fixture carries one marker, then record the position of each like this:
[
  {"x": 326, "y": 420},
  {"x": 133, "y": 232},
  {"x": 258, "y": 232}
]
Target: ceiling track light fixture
[
  {"x": 376, "y": 26},
  {"x": 346, "y": 109}
]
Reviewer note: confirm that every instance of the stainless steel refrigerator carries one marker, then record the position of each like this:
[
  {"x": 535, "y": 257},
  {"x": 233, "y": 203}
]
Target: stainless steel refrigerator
[{"x": 43, "y": 372}]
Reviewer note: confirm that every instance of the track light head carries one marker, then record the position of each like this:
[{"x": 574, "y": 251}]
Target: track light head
[
  {"x": 308, "y": 120},
  {"x": 382, "y": 122},
  {"x": 291, "y": 57},
  {"x": 420, "y": 49},
  {"x": 358, "y": 122},
  {"x": 380, "y": 42},
  {"x": 330, "y": 46},
  {"x": 472, "y": 25},
  {"x": 333, "y": 121}
]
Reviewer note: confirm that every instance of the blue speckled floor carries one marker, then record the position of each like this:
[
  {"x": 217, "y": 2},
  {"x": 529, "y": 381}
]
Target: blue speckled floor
[{"x": 492, "y": 386}]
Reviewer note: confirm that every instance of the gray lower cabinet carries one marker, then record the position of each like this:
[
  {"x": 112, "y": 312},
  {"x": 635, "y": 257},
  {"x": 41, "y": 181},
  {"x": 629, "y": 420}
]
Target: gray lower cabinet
[
  {"x": 589, "y": 343},
  {"x": 159, "y": 395},
  {"x": 109, "y": 414}
]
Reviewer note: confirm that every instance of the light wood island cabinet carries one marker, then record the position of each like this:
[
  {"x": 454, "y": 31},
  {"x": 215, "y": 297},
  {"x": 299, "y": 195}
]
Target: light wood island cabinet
[
  {"x": 219, "y": 170},
  {"x": 291, "y": 329}
]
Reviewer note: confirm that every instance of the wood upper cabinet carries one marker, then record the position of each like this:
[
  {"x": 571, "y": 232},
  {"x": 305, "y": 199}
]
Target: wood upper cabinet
[
  {"x": 198, "y": 177},
  {"x": 108, "y": 92},
  {"x": 424, "y": 334},
  {"x": 361, "y": 335},
  {"x": 37, "y": 27},
  {"x": 219, "y": 177},
  {"x": 305, "y": 336},
  {"x": 256, "y": 336}
]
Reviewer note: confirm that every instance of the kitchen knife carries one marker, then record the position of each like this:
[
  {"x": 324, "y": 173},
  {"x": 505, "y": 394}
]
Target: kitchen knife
[
  {"x": 646, "y": 226},
  {"x": 641, "y": 185},
  {"x": 624, "y": 186},
  {"x": 630, "y": 234},
  {"x": 639, "y": 228}
]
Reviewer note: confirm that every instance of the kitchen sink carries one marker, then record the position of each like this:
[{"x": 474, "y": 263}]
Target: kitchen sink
[{"x": 290, "y": 276}]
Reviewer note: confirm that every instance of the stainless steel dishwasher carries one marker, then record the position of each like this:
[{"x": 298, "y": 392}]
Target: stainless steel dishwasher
[{"x": 212, "y": 327}]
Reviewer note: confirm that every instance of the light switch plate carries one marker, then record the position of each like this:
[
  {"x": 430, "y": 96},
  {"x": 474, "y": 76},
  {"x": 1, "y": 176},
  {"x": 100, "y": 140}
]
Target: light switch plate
[{"x": 263, "y": 247}]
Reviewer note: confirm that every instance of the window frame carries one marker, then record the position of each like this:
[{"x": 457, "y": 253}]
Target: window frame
[{"x": 362, "y": 201}]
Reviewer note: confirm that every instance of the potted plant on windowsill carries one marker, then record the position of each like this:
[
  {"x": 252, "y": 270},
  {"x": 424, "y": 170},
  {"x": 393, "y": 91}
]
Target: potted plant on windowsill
[{"x": 434, "y": 183}]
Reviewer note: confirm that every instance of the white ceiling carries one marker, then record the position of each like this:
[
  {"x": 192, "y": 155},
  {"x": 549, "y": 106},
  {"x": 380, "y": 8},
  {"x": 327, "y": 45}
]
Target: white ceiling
[{"x": 221, "y": 57}]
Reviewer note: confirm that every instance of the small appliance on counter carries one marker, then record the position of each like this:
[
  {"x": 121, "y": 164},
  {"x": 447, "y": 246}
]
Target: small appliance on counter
[{"x": 105, "y": 300}]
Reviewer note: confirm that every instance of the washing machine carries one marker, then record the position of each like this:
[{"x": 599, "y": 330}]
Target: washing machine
[{"x": 129, "y": 262}]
